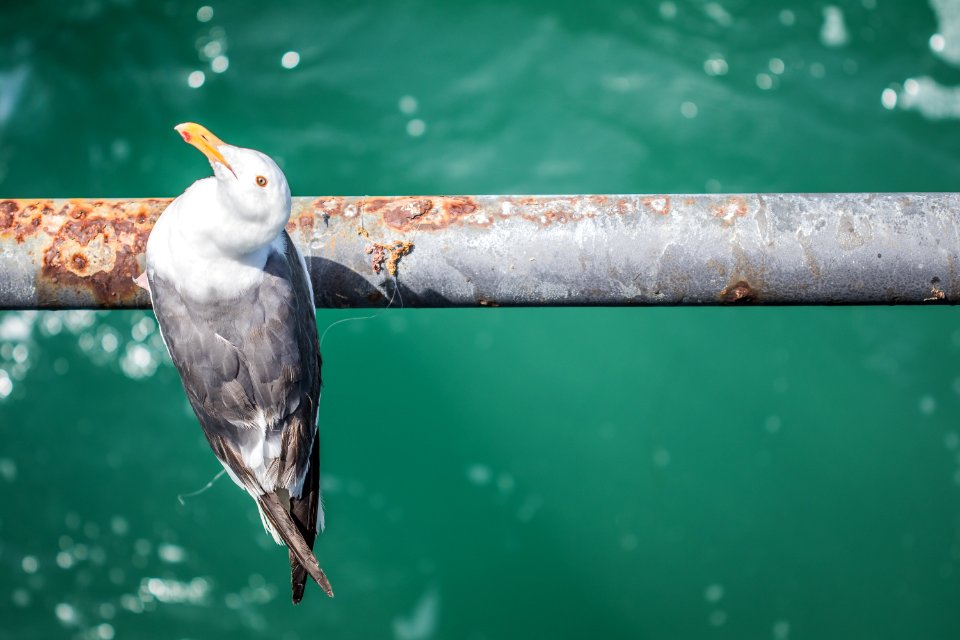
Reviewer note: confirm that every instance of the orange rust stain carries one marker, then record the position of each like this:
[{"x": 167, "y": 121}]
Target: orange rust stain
[
  {"x": 400, "y": 213},
  {"x": 329, "y": 207},
  {"x": 730, "y": 209},
  {"x": 387, "y": 256},
  {"x": 96, "y": 247},
  {"x": 427, "y": 214},
  {"x": 739, "y": 292},
  {"x": 79, "y": 261},
  {"x": 659, "y": 205},
  {"x": 8, "y": 211},
  {"x": 20, "y": 219},
  {"x": 548, "y": 211}
]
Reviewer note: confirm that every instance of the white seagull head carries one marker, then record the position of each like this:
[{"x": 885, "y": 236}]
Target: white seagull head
[{"x": 249, "y": 185}]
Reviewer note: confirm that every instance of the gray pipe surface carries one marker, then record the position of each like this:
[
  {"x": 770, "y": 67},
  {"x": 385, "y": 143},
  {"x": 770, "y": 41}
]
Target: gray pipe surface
[{"x": 464, "y": 251}]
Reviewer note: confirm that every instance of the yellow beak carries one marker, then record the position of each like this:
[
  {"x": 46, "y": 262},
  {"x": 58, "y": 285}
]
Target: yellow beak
[{"x": 201, "y": 138}]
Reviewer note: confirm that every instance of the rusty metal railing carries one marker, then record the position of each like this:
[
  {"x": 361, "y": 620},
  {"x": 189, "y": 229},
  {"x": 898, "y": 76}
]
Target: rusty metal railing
[{"x": 449, "y": 251}]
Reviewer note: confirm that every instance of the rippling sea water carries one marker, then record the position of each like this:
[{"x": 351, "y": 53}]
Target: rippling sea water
[{"x": 662, "y": 473}]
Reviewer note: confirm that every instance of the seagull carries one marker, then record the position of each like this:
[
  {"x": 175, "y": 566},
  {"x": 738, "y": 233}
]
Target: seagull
[{"x": 235, "y": 306}]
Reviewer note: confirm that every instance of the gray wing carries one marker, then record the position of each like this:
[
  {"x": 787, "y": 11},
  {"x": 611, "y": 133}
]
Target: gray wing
[{"x": 252, "y": 356}]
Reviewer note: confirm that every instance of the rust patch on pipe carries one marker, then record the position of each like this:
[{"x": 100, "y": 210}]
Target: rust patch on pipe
[
  {"x": 659, "y": 205},
  {"x": 730, "y": 209},
  {"x": 96, "y": 250},
  {"x": 21, "y": 219},
  {"x": 328, "y": 207},
  {"x": 564, "y": 209},
  {"x": 406, "y": 214},
  {"x": 385, "y": 256},
  {"x": 738, "y": 293},
  {"x": 936, "y": 293}
]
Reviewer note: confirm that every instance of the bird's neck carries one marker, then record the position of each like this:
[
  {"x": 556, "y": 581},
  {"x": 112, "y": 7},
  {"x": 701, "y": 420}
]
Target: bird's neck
[
  {"x": 208, "y": 254},
  {"x": 222, "y": 231}
]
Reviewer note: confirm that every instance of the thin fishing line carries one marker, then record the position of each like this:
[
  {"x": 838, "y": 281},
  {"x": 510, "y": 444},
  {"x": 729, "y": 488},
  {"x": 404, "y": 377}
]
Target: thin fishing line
[
  {"x": 193, "y": 494},
  {"x": 394, "y": 294}
]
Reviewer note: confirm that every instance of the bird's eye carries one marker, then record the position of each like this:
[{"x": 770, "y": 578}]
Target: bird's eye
[{"x": 261, "y": 181}]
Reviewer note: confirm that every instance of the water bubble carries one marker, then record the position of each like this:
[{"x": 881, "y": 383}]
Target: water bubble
[
  {"x": 817, "y": 70},
  {"x": 888, "y": 98},
  {"x": 131, "y": 603},
  {"x": 416, "y": 127},
  {"x": 668, "y": 10},
  {"x": 21, "y": 353},
  {"x": 628, "y": 541},
  {"x": 713, "y": 593},
  {"x": 408, "y": 105},
  {"x": 205, "y": 14},
  {"x": 104, "y": 631},
  {"x": 119, "y": 525},
  {"x": 29, "y": 564},
  {"x": 290, "y": 60},
  {"x": 479, "y": 474},
  {"x": 138, "y": 361},
  {"x": 720, "y": 15},
  {"x": 689, "y": 110},
  {"x": 927, "y": 405},
  {"x": 787, "y": 17},
  {"x": 715, "y": 66},
  {"x": 64, "y": 560},
  {"x": 21, "y": 597},
  {"x": 8, "y": 469},
  {"x": 833, "y": 33},
  {"x": 937, "y": 42},
  {"x": 776, "y": 65},
  {"x": 781, "y": 630},
  {"x": 212, "y": 49},
  {"x": 219, "y": 64},
  {"x": 6, "y": 384},
  {"x": 196, "y": 79},
  {"x": 107, "y": 611},
  {"x": 171, "y": 553},
  {"x": 764, "y": 81},
  {"x": 51, "y": 323},
  {"x": 66, "y": 614},
  {"x": 142, "y": 329},
  {"x": 16, "y": 326}
]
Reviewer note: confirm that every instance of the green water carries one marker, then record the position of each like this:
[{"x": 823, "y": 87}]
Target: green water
[{"x": 622, "y": 473}]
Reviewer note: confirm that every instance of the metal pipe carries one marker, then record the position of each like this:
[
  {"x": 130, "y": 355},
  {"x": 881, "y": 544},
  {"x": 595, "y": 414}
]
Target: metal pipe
[{"x": 453, "y": 251}]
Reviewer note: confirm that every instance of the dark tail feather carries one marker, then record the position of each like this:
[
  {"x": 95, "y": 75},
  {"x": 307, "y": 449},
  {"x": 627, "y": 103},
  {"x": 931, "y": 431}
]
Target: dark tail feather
[
  {"x": 299, "y": 550},
  {"x": 278, "y": 516},
  {"x": 304, "y": 510},
  {"x": 298, "y": 579}
]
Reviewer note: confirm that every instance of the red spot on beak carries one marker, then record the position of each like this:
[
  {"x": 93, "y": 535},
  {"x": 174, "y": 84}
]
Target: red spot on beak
[{"x": 186, "y": 135}]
